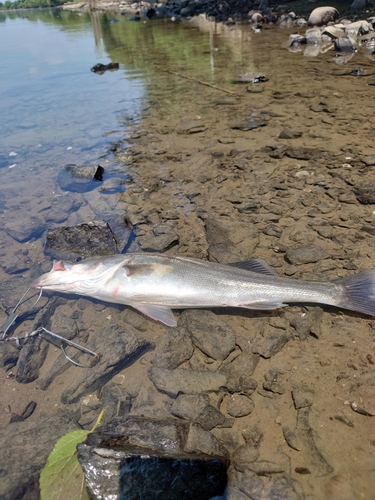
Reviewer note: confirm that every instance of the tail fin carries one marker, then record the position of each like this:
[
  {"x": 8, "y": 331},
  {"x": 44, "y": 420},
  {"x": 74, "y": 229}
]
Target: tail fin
[{"x": 358, "y": 292}]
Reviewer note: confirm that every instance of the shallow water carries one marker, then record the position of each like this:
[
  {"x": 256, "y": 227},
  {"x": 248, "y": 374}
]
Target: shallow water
[{"x": 131, "y": 121}]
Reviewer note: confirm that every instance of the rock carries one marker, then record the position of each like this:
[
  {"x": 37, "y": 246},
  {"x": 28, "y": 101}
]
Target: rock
[
  {"x": 251, "y": 124},
  {"x": 190, "y": 127},
  {"x": 291, "y": 439},
  {"x": 224, "y": 253},
  {"x": 253, "y": 436},
  {"x": 358, "y": 28},
  {"x": 14, "y": 263},
  {"x": 249, "y": 484},
  {"x": 209, "y": 333},
  {"x": 271, "y": 344},
  {"x": 313, "y": 36},
  {"x": 305, "y": 254},
  {"x": 101, "y": 68},
  {"x": 369, "y": 160},
  {"x": 288, "y": 133},
  {"x": 121, "y": 229},
  {"x": 162, "y": 238},
  {"x": 302, "y": 397},
  {"x": 339, "y": 488},
  {"x": 84, "y": 240},
  {"x": 322, "y": 15},
  {"x": 80, "y": 179},
  {"x": 186, "y": 381},
  {"x": 308, "y": 323},
  {"x": 239, "y": 405},
  {"x": 250, "y": 78},
  {"x": 202, "y": 441},
  {"x": 358, "y": 5},
  {"x": 306, "y": 434},
  {"x": 197, "y": 408},
  {"x": 174, "y": 348},
  {"x": 151, "y": 458},
  {"x": 365, "y": 192},
  {"x": 332, "y": 32},
  {"x": 25, "y": 447},
  {"x": 9, "y": 355},
  {"x": 115, "y": 400},
  {"x": 243, "y": 455},
  {"x": 283, "y": 487},
  {"x": 345, "y": 44},
  {"x": 24, "y": 228},
  {"x": 119, "y": 347},
  {"x": 303, "y": 153}
]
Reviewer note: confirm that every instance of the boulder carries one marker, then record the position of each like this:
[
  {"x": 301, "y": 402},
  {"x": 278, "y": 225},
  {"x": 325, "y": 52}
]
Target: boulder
[{"x": 323, "y": 15}]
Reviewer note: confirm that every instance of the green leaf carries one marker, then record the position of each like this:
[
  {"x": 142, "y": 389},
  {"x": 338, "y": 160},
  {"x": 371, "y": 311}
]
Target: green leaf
[{"x": 62, "y": 477}]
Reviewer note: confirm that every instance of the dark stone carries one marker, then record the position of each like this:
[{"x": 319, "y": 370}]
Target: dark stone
[
  {"x": 197, "y": 408},
  {"x": 305, "y": 254},
  {"x": 9, "y": 355},
  {"x": 80, "y": 179},
  {"x": 243, "y": 455},
  {"x": 119, "y": 346},
  {"x": 251, "y": 124},
  {"x": 161, "y": 239},
  {"x": 209, "y": 333},
  {"x": 85, "y": 240},
  {"x": 291, "y": 439},
  {"x": 271, "y": 344},
  {"x": 302, "y": 397},
  {"x": 244, "y": 236},
  {"x": 345, "y": 44},
  {"x": 309, "y": 323},
  {"x": 25, "y": 447},
  {"x": 115, "y": 399},
  {"x": 250, "y": 78},
  {"x": 253, "y": 436},
  {"x": 121, "y": 229},
  {"x": 365, "y": 192},
  {"x": 190, "y": 127},
  {"x": 239, "y": 405},
  {"x": 303, "y": 153},
  {"x": 24, "y": 228},
  {"x": 288, "y": 133},
  {"x": 61, "y": 208},
  {"x": 101, "y": 68},
  {"x": 173, "y": 348}
]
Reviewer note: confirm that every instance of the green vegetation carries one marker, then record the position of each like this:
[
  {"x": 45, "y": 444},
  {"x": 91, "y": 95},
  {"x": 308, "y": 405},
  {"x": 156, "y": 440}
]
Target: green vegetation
[{"x": 30, "y": 4}]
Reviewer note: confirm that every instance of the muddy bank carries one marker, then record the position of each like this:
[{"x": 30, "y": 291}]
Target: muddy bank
[{"x": 280, "y": 170}]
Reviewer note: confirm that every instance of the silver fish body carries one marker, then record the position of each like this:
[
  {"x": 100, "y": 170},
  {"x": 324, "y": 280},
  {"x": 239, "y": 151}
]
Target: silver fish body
[{"x": 156, "y": 283}]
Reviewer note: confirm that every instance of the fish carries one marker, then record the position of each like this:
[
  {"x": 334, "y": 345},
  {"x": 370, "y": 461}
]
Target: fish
[{"x": 154, "y": 284}]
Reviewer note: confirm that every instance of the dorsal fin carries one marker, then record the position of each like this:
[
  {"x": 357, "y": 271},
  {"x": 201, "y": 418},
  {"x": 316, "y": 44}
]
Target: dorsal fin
[{"x": 256, "y": 266}]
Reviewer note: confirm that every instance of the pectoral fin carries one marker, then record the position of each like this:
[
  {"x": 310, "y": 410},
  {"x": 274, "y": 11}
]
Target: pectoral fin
[{"x": 159, "y": 313}]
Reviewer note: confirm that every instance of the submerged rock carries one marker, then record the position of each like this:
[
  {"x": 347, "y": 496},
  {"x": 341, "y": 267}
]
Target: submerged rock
[{"x": 80, "y": 179}]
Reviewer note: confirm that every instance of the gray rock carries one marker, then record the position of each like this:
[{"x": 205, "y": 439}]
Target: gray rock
[
  {"x": 288, "y": 133},
  {"x": 174, "y": 348},
  {"x": 271, "y": 344},
  {"x": 25, "y": 447},
  {"x": 369, "y": 160},
  {"x": 119, "y": 347},
  {"x": 80, "y": 179},
  {"x": 305, "y": 254},
  {"x": 253, "y": 436},
  {"x": 251, "y": 124},
  {"x": 310, "y": 322},
  {"x": 358, "y": 5},
  {"x": 302, "y": 397},
  {"x": 14, "y": 263},
  {"x": 84, "y": 240},
  {"x": 151, "y": 458},
  {"x": 190, "y": 127},
  {"x": 24, "y": 228},
  {"x": 313, "y": 35},
  {"x": 9, "y": 355},
  {"x": 283, "y": 487},
  {"x": 159, "y": 240},
  {"x": 322, "y": 15},
  {"x": 209, "y": 333},
  {"x": 116, "y": 401},
  {"x": 306, "y": 434},
  {"x": 243, "y": 455},
  {"x": 224, "y": 253},
  {"x": 345, "y": 44},
  {"x": 303, "y": 153},
  {"x": 291, "y": 439},
  {"x": 121, "y": 230},
  {"x": 202, "y": 441},
  {"x": 365, "y": 192},
  {"x": 239, "y": 405},
  {"x": 197, "y": 408},
  {"x": 61, "y": 208},
  {"x": 251, "y": 485},
  {"x": 186, "y": 381}
]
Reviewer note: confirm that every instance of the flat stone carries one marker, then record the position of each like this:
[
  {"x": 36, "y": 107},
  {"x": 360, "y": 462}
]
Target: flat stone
[
  {"x": 365, "y": 192},
  {"x": 186, "y": 381},
  {"x": 251, "y": 124},
  {"x": 244, "y": 454},
  {"x": 305, "y": 254},
  {"x": 244, "y": 236},
  {"x": 173, "y": 348},
  {"x": 288, "y": 133},
  {"x": 368, "y": 160},
  {"x": 303, "y": 153},
  {"x": 302, "y": 397},
  {"x": 209, "y": 333},
  {"x": 291, "y": 439},
  {"x": 158, "y": 243},
  {"x": 190, "y": 127},
  {"x": 262, "y": 467},
  {"x": 80, "y": 179}
]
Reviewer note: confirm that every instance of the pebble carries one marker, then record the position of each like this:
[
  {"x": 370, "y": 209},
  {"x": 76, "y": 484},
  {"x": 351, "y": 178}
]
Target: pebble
[{"x": 239, "y": 405}]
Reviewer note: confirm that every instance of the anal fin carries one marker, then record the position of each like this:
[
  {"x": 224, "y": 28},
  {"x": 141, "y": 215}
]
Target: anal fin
[{"x": 266, "y": 306}]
